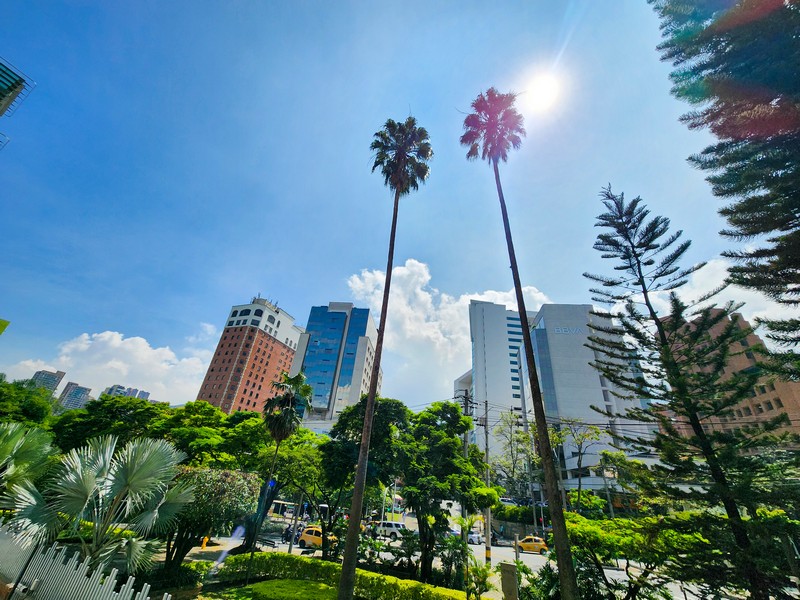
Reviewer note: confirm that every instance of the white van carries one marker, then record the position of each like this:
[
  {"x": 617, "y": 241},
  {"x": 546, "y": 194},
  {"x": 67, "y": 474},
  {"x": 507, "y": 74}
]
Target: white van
[{"x": 390, "y": 529}]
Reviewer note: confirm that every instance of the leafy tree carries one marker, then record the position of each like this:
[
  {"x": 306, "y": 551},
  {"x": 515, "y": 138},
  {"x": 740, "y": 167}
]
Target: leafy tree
[
  {"x": 402, "y": 151},
  {"x": 490, "y": 131},
  {"x": 677, "y": 362},
  {"x": 197, "y": 430},
  {"x": 737, "y": 63},
  {"x": 512, "y": 467},
  {"x": 431, "y": 456},
  {"x": 647, "y": 549},
  {"x": 106, "y": 489},
  {"x": 124, "y": 417},
  {"x": 24, "y": 454},
  {"x": 583, "y": 437},
  {"x": 23, "y": 401},
  {"x": 220, "y": 498}
]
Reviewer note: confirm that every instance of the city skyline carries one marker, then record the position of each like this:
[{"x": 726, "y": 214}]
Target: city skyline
[{"x": 155, "y": 197}]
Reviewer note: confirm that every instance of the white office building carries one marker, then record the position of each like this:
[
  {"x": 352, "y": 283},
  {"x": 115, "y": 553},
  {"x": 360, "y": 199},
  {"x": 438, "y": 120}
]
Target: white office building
[{"x": 570, "y": 385}]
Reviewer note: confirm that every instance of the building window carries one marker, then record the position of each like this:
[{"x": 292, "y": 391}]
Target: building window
[
  {"x": 515, "y": 395},
  {"x": 747, "y": 411},
  {"x": 762, "y": 389},
  {"x": 768, "y": 405},
  {"x": 759, "y": 409},
  {"x": 771, "y": 387},
  {"x": 244, "y": 312},
  {"x": 230, "y": 323},
  {"x": 258, "y": 313},
  {"x": 235, "y": 313},
  {"x": 750, "y": 355},
  {"x": 778, "y": 402}
]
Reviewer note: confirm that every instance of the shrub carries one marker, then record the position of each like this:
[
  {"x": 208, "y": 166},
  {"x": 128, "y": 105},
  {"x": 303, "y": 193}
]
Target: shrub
[
  {"x": 292, "y": 589},
  {"x": 189, "y": 574}
]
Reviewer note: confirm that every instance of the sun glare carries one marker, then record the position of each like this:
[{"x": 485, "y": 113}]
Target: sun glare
[{"x": 541, "y": 92}]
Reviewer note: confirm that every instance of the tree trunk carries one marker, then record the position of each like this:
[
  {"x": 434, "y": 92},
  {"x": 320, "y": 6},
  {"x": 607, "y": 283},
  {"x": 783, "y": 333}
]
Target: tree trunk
[
  {"x": 348, "y": 578},
  {"x": 566, "y": 570}
]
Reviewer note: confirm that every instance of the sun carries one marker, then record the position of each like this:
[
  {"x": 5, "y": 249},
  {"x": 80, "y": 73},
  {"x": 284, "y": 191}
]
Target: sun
[{"x": 541, "y": 92}]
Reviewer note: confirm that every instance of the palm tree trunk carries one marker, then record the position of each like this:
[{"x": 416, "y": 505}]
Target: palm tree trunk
[
  {"x": 348, "y": 578},
  {"x": 566, "y": 570},
  {"x": 261, "y": 512}
]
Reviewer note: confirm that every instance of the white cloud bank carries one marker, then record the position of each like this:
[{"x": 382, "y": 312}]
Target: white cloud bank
[
  {"x": 99, "y": 360},
  {"x": 427, "y": 341}
]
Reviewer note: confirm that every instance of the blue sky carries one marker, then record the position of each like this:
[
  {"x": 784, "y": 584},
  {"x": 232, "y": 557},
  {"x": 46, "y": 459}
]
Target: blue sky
[{"x": 177, "y": 158}]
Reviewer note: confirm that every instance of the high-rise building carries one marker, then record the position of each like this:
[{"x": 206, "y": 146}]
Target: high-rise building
[
  {"x": 769, "y": 398},
  {"x": 74, "y": 396},
  {"x": 48, "y": 379},
  {"x": 336, "y": 353},
  {"x": 121, "y": 390},
  {"x": 570, "y": 385},
  {"x": 14, "y": 87},
  {"x": 258, "y": 342}
]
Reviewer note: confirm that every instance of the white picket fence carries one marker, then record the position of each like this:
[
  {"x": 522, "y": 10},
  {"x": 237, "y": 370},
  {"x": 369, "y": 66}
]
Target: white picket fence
[{"x": 56, "y": 579}]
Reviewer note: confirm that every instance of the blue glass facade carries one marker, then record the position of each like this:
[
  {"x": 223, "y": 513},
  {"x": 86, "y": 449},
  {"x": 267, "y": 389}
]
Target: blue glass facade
[{"x": 330, "y": 360}]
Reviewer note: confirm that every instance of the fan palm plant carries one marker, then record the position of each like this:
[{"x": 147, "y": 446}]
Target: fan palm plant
[
  {"x": 402, "y": 150},
  {"x": 490, "y": 131},
  {"x": 24, "y": 453},
  {"x": 96, "y": 491}
]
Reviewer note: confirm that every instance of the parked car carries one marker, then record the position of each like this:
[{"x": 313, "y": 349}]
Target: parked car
[
  {"x": 390, "y": 529},
  {"x": 312, "y": 537},
  {"x": 507, "y": 502},
  {"x": 531, "y": 543}
]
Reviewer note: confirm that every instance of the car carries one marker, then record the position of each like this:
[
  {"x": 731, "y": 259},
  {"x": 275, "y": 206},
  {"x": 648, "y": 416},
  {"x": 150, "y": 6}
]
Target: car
[
  {"x": 390, "y": 529},
  {"x": 312, "y": 537},
  {"x": 531, "y": 543},
  {"x": 473, "y": 537},
  {"x": 507, "y": 502}
]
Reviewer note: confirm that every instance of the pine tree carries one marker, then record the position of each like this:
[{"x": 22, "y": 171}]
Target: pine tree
[
  {"x": 676, "y": 363},
  {"x": 738, "y": 62}
]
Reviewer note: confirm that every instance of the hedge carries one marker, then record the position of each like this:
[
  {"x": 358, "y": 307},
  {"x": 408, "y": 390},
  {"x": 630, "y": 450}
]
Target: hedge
[{"x": 368, "y": 585}]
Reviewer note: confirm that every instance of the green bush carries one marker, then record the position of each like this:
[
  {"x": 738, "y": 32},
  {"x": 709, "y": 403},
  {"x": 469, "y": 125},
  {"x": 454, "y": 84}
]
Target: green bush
[
  {"x": 189, "y": 574},
  {"x": 368, "y": 585},
  {"x": 292, "y": 589},
  {"x": 513, "y": 514}
]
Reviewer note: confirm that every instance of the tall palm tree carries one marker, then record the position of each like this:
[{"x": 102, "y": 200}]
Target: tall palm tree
[
  {"x": 110, "y": 490},
  {"x": 283, "y": 414},
  {"x": 402, "y": 150},
  {"x": 490, "y": 131}
]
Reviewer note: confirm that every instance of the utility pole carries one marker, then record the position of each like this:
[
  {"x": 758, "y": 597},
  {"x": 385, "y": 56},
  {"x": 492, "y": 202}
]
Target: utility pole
[
  {"x": 488, "y": 516},
  {"x": 464, "y": 532}
]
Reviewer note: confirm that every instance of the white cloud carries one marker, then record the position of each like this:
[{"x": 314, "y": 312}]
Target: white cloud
[
  {"x": 99, "y": 360},
  {"x": 427, "y": 343}
]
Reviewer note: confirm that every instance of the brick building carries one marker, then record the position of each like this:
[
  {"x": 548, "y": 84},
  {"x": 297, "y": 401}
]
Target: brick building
[{"x": 258, "y": 342}]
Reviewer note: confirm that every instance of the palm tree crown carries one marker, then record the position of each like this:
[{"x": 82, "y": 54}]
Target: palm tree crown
[
  {"x": 494, "y": 127},
  {"x": 284, "y": 412},
  {"x": 401, "y": 151}
]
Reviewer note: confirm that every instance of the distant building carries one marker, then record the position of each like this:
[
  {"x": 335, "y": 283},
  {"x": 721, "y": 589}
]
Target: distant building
[
  {"x": 74, "y": 396},
  {"x": 336, "y": 353},
  {"x": 769, "y": 398},
  {"x": 258, "y": 342},
  {"x": 121, "y": 390},
  {"x": 48, "y": 380},
  {"x": 570, "y": 386},
  {"x": 14, "y": 87}
]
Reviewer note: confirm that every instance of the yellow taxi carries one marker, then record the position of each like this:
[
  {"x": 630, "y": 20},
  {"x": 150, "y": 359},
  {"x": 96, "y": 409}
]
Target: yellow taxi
[
  {"x": 531, "y": 543},
  {"x": 312, "y": 537}
]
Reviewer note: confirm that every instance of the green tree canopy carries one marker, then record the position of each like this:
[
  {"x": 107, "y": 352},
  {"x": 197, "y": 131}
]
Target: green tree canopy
[
  {"x": 737, "y": 63},
  {"x": 220, "y": 497},
  {"x": 676, "y": 362},
  {"x": 431, "y": 456},
  {"x": 121, "y": 416},
  {"x": 23, "y": 401}
]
